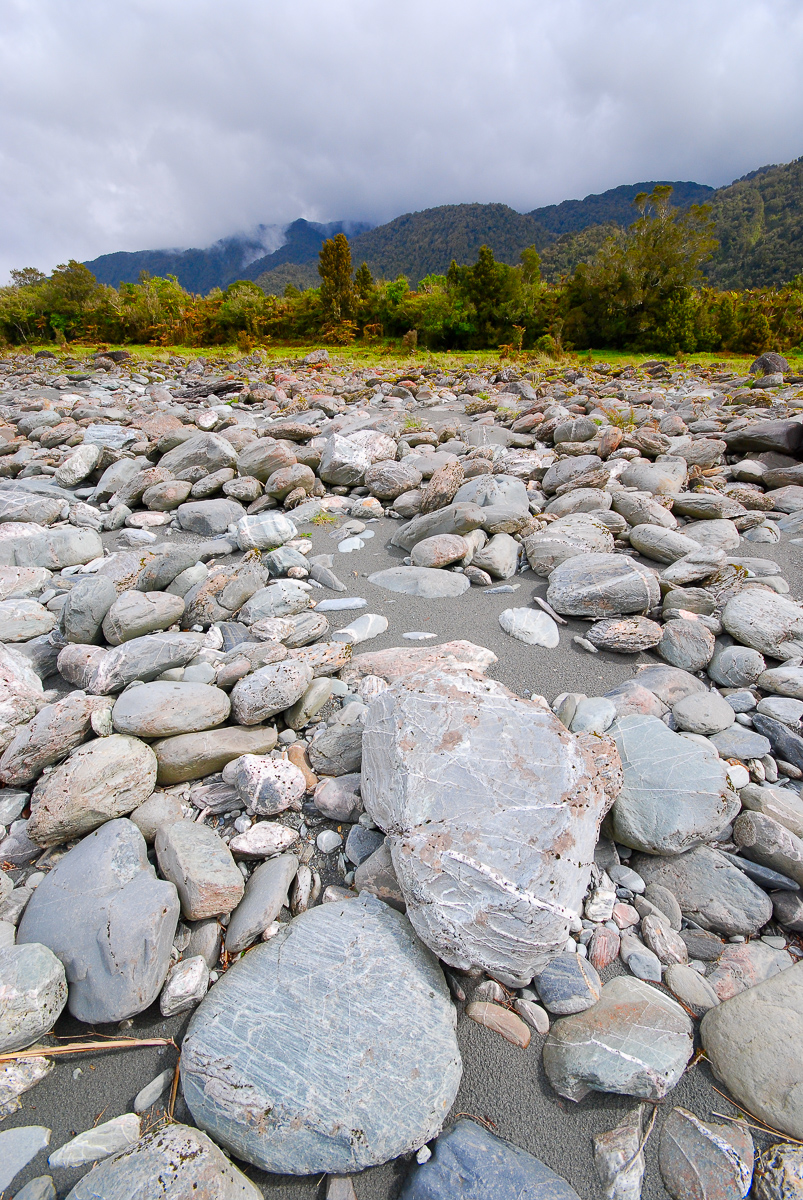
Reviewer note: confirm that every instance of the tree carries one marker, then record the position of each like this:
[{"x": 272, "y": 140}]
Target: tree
[
  {"x": 363, "y": 282},
  {"x": 334, "y": 268},
  {"x": 27, "y": 277}
]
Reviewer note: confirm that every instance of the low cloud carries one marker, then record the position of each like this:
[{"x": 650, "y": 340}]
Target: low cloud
[{"x": 150, "y": 124}]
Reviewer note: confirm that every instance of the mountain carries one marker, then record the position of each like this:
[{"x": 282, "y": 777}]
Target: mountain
[
  {"x": 243, "y": 256},
  {"x": 759, "y": 223},
  {"x": 612, "y": 207}
]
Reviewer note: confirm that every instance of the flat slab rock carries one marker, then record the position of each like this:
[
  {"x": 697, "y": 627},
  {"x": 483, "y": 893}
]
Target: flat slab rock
[
  {"x": 635, "y": 1041},
  {"x": 492, "y": 810},
  {"x": 303, "y": 1060},
  {"x": 469, "y": 1163},
  {"x": 185, "y": 1161},
  {"x": 429, "y": 583}
]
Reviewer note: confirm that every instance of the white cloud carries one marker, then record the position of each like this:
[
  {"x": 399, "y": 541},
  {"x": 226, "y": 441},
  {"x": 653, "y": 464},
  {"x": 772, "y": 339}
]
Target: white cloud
[{"x": 154, "y": 123}]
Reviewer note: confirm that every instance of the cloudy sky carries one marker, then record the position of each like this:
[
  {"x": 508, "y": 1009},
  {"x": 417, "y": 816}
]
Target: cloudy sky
[{"x": 152, "y": 123}]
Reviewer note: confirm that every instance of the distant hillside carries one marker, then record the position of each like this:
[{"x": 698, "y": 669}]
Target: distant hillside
[
  {"x": 303, "y": 240},
  {"x": 759, "y": 223},
  {"x": 563, "y": 255},
  {"x": 612, "y": 207},
  {"x": 300, "y": 275},
  {"x": 196, "y": 270}
]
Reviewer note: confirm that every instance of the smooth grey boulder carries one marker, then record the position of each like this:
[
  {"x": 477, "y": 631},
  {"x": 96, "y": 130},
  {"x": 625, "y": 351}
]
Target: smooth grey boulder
[
  {"x": 264, "y": 897},
  {"x": 339, "y": 798},
  {"x": 568, "y": 984},
  {"x": 57, "y": 548},
  {"x": 40, "y": 1188},
  {"x": 764, "y": 620},
  {"x": 23, "y": 619},
  {"x": 511, "y": 849},
  {"x": 207, "y": 450},
  {"x": 84, "y": 609},
  {"x": 665, "y": 478},
  {"x": 662, "y": 545},
  {"x": 162, "y": 709},
  {"x": 101, "y": 780},
  {"x": 703, "y": 713},
  {"x": 284, "y": 598},
  {"x": 769, "y": 843},
  {"x": 264, "y": 531},
  {"x": 669, "y": 684},
  {"x": 142, "y": 658},
  {"x": 135, "y": 614},
  {"x": 635, "y": 1041},
  {"x": 51, "y": 735},
  {"x": 566, "y": 469},
  {"x": 18, "y": 1147},
  {"x": 427, "y": 582},
  {"x": 265, "y": 1066},
  {"x": 641, "y": 508},
  {"x": 159, "y": 809},
  {"x": 34, "y": 992},
  {"x": 343, "y": 462},
  {"x": 736, "y": 666},
  {"x": 193, "y": 755},
  {"x": 499, "y": 557},
  {"x": 201, "y": 866},
  {"x": 710, "y": 890},
  {"x": 338, "y": 751},
  {"x": 387, "y": 480},
  {"x": 674, "y": 795},
  {"x": 602, "y": 585},
  {"x": 487, "y": 490},
  {"x": 687, "y": 644},
  {"x": 783, "y": 681},
  {"x": 569, "y": 537},
  {"x": 469, "y": 1163},
  {"x": 739, "y": 742},
  {"x": 454, "y": 518},
  {"x": 787, "y": 744},
  {"x": 103, "y": 912},
  {"x": 209, "y": 518},
  {"x": 181, "y": 1162},
  {"x": 753, "y": 1043},
  {"x": 269, "y": 690}
]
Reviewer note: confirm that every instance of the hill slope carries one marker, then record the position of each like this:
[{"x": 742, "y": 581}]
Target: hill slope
[
  {"x": 759, "y": 223},
  {"x": 612, "y": 207},
  {"x": 196, "y": 270}
]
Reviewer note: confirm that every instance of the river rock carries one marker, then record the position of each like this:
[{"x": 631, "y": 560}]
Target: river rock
[
  {"x": 435, "y": 798},
  {"x": 265, "y": 896},
  {"x": 440, "y": 550},
  {"x": 113, "y": 937},
  {"x": 602, "y": 585},
  {"x": 710, "y": 890},
  {"x": 18, "y": 1147},
  {"x": 568, "y": 984},
  {"x": 200, "y": 865},
  {"x": 99, "y": 781},
  {"x": 703, "y": 713},
  {"x": 135, "y": 614},
  {"x": 456, "y": 518},
  {"x": 674, "y": 795},
  {"x": 752, "y": 1042},
  {"x": 21, "y": 620},
  {"x": 629, "y": 635},
  {"x": 272, "y": 1029},
  {"x": 57, "y": 548},
  {"x": 162, "y": 709},
  {"x": 531, "y": 626},
  {"x": 426, "y": 582},
  {"x": 687, "y": 644},
  {"x": 268, "y": 786},
  {"x": 778, "y": 1174},
  {"x": 185, "y": 1162},
  {"x": 34, "y": 991},
  {"x": 701, "y": 1161},
  {"x": 662, "y": 545},
  {"x": 51, "y": 735},
  {"x": 469, "y": 1163},
  {"x": 338, "y": 751},
  {"x": 269, "y": 690},
  {"x": 635, "y": 1041},
  {"x": 143, "y": 658},
  {"x": 739, "y": 742},
  {"x": 692, "y": 989},
  {"x": 763, "y": 620},
  {"x": 85, "y": 608},
  {"x": 568, "y": 537},
  {"x": 194, "y": 755}
]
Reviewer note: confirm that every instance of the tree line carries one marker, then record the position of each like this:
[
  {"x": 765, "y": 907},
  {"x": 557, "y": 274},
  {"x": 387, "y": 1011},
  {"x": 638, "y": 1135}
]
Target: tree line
[{"x": 643, "y": 290}]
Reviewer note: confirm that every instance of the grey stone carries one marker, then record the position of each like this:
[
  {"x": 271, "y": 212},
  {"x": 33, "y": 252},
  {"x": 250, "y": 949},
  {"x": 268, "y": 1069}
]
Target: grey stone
[
  {"x": 703, "y": 713},
  {"x": 339, "y": 798},
  {"x": 674, "y": 795},
  {"x": 491, "y": 490},
  {"x": 34, "y": 993},
  {"x": 568, "y": 984},
  {"x": 388, "y": 480},
  {"x": 103, "y": 912},
  {"x": 264, "y": 531},
  {"x": 619, "y": 1158},
  {"x": 18, "y": 1147},
  {"x": 159, "y": 809},
  {"x": 209, "y": 517},
  {"x": 185, "y": 1162},
  {"x": 454, "y": 815},
  {"x": 455, "y": 518},
  {"x": 748, "y": 1040},
  {"x": 738, "y": 742},
  {"x": 343, "y": 462},
  {"x": 156, "y": 710},
  {"x": 268, "y": 786},
  {"x": 662, "y": 545},
  {"x": 787, "y": 745},
  {"x": 362, "y": 843},
  {"x": 782, "y": 708},
  {"x": 375, "y": 874},
  {"x": 194, "y": 755},
  {"x": 98, "y": 1142},
  {"x": 101, "y": 780},
  {"x": 567, "y": 469},
  {"x": 338, "y": 751},
  {"x": 41, "y": 1188},
  {"x": 207, "y": 450},
  {"x": 269, "y": 690},
  {"x": 471, "y": 1164},
  {"x": 710, "y": 890},
  {"x": 284, "y": 598},
  {"x": 57, "y": 548},
  {"x": 135, "y": 614},
  {"x": 86, "y": 606},
  {"x": 285, "y": 1004},
  {"x": 781, "y": 804},
  {"x": 705, "y": 1161},
  {"x": 601, "y": 585},
  {"x": 426, "y": 582},
  {"x": 669, "y": 684},
  {"x": 736, "y": 666},
  {"x": 200, "y": 865},
  {"x": 185, "y": 986},
  {"x": 687, "y": 644},
  {"x": 691, "y": 988},
  {"x": 265, "y": 896},
  {"x": 783, "y": 681},
  {"x": 51, "y": 735},
  {"x": 24, "y": 619},
  {"x": 569, "y": 537},
  {"x": 141, "y": 658},
  {"x": 763, "y": 620},
  {"x": 499, "y": 557},
  {"x": 769, "y": 843},
  {"x": 635, "y": 1041},
  {"x": 152, "y": 1091},
  {"x": 628, "y": 635}
]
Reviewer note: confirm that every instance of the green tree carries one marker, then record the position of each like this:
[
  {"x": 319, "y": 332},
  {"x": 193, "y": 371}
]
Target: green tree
[
  {"x": 727, "y": 325},
  {"x": 334, "y": 268},
  {"x": 363, "y": 282}
]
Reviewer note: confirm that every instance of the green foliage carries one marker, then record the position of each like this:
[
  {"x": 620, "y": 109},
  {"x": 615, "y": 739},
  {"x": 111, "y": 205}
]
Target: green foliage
[{"x": 334, "y": 268}]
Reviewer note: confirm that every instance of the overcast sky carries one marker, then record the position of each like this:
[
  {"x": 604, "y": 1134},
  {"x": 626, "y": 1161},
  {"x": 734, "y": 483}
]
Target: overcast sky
[{"x": 152, "y": 123}]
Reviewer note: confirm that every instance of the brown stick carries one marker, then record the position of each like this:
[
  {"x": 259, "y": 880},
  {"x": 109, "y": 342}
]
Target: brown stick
[
  {"x": 763, "y": 1124},
  {"x": 86, "y": 1048},
  {"x": 173, "y": 1090}
]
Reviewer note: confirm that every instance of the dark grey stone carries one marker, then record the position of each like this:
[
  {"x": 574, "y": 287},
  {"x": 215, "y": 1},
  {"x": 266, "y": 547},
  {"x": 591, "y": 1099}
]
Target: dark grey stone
[
  {"x": 741, "y": 743},
  {"x": 709, "y": 890},
  {"x": 338, "y": 751},
  {"x": 568, "y": 984},
  {"x": 209, "y": 517},
  {"x": 85, "y": 607},
  {"x": 469, "y": 1163},
  {"x": 103, "y": 912},
  {"x": 362, "y": 843},
  {"x": 786, "y": 745},
  {"x": 144, "y": 658}
]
